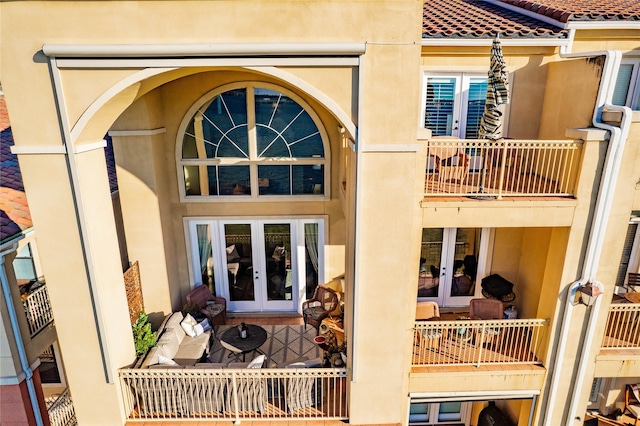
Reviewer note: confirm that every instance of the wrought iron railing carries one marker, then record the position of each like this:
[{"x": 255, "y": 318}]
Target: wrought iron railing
[
  {"x": 478, "y": 342},
  {"x": 235, "y": 394},
  {"x": 466, "y": 167},
  {"x": 38, "y": 310},
  {"x": 623, "y": 327},
  {"x": 61, "y": 411}
]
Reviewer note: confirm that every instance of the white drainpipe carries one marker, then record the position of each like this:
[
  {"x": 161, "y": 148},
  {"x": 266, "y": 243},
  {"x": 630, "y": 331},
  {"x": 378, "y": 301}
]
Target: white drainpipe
[
  {"x": 15, "y": 327},
  {"x": 598, "y": 227}
]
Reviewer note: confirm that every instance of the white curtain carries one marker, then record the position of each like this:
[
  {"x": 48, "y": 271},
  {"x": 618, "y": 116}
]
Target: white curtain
[
  {"x": 204, "y": 246},
  {"x": 311, "y": 242}
]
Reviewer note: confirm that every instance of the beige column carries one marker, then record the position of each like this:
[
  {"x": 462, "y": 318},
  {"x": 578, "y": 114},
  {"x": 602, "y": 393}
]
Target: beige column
[
  {"x": 386, "y": 287},
  {"x": 79, "y": 251},
  {"x": 140, "y": 167}
]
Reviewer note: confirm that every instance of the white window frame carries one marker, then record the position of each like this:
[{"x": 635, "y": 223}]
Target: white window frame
[
  {"x": 253, "y": 162},
  {"x": 434, "y": 410},
  {"x": 298, "y": 249},
  {"x": 633, "y": 91},
  {"x": 461, "y": 97}
]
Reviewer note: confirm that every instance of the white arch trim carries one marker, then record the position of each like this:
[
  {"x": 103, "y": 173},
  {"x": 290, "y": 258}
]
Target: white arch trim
[
  {"x": 114, "y": 90},
  {"x": 312, "y": 91},
  {"x": 308, "y": 88}
]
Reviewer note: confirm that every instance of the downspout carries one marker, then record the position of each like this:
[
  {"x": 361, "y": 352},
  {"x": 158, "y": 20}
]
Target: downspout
[
  {"x": 13, "y": 317},
  {"x": 598, "y": 224},
  {"x": 358, "y": 195}
]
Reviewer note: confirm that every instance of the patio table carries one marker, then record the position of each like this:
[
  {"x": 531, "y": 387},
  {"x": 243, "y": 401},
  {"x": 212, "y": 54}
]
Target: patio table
[{"x": 232, "y": 341}]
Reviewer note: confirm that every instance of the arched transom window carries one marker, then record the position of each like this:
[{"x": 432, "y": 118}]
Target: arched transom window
[{"x": 252, "y": 141}]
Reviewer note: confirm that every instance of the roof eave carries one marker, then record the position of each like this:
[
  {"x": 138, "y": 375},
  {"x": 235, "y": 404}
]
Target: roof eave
[{"x": 524, "y": 42}]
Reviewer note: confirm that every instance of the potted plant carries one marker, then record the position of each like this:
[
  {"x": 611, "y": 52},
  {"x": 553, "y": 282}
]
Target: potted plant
[{"x": 143, "y": 338}]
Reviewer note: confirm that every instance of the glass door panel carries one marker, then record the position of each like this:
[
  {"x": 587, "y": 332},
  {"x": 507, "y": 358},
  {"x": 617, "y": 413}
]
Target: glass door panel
[
  {"x": 239, "y": 253},
  {"x": 430, "y": 263},
  {"x": 463, "y": 259},
  {"x": 205, "y": 255},
  {"x": 449, "y": 264},
  {"x": 277, "y": 252}
]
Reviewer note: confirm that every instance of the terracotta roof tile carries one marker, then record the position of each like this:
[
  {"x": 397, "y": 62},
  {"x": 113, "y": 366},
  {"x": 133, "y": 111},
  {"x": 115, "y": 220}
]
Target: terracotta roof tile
[
  {"x": 15, "y": 217},
  {"x": 14, "y": 208},
  {"x": 582, "y": 10},
  {"x": 479, "y": 19}
]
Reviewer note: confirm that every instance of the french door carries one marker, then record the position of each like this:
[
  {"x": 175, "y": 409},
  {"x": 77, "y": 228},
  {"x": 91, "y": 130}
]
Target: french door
[
  {"x": 452, "y": 262},
  {"x": 453, "y": 104},
  {"x": 258, "y": 265}
]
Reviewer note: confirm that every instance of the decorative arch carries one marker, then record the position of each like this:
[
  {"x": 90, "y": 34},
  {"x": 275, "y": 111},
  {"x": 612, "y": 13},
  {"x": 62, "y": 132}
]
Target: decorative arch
[{"x": 94, "y": 108}]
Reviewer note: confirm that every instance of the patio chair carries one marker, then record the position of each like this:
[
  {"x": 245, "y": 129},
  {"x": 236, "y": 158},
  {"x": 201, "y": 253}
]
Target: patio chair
[
  {"x": 319, "y": 307},
  {"x": 486, "y": 309},
  {"x": 632, "y": 402},
  {"x": 212, "y": 307},
  {"x": 427, "y": 310},
  {"x": 427, "y": 339}
]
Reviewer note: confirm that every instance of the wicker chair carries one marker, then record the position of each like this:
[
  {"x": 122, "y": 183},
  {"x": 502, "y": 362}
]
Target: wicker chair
[
  {"x": 319, "y": 307},
  {"x": 212, "y": 307}
]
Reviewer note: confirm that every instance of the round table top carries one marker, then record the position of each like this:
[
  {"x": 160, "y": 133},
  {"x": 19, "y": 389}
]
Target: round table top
[
  {"x": 256, "y": 336},
  {"x": 632, "y": 297}
]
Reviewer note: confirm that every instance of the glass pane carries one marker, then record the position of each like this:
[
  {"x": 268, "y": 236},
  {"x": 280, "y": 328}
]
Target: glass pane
[
  {"x": 277, "y": 246},
  {"x": 430, "y": 255},
  {"x": 191, "y": 180},
  {"x": 189, "y": 149},
  {"x": 224, "y": 125},
  {"x": 475, "y": 106},
  {"x": 239, "y": 261},
  {"x": 307, "y": 179},
  {"x": 205, "y": 256},
  {"x": 439, "y": 106},
  {"x": 623, "y": 83},
  {"x": 274, "y": 180},
  {"x": 465, "y": 263},
  {"x": 229, "y": 180},
  {"x": 418, "y": 412},
  {"x": 450, "y": 411},
  {"x": 284, "y": 128},
  {"x": 311, "y": 257}
]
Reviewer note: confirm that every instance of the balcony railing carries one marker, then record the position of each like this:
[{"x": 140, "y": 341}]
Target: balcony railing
[
  {"x": 235, "y": 394},
  {"x": 61, "y": 411},
  {"x": 468, "y": 167},
  {"x": 623, "y": 327},
  {"x": 38, "y": 310},
  {"x": 478, "y": 342}
]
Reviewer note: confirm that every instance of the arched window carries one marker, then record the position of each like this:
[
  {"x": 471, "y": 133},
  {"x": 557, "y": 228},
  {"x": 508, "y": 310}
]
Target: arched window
[{"x": 250, "y": 141}]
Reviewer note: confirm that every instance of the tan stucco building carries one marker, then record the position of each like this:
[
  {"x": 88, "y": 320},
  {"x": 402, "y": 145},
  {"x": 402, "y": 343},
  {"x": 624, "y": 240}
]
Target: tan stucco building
[{"x": 348, "y": 132}]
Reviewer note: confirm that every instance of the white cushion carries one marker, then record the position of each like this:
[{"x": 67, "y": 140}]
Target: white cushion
[
  {"x": 198, "y": 329},
  {"x": 163, "y": 360},
  {"x": 188, "y": 324},
  {"x": 257, "y": 362}
]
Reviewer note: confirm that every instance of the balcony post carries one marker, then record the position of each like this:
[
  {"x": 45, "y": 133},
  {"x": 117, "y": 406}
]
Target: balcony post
[{"x": 502, "y": 168}]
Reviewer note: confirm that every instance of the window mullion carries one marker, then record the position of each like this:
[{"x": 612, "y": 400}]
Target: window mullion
[
  {"x": 253, "y": 141},
  {"x": 202, "y": 153}
]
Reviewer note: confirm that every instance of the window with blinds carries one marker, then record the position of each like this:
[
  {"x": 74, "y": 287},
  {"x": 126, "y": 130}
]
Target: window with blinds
[
  {"x": 627, "y": 88},
  {"x": 454, "y": 103},
  {"x": 623, "y": 268}
]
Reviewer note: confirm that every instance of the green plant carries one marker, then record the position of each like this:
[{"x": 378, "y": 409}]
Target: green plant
[{"x": 143, "y": 338}]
